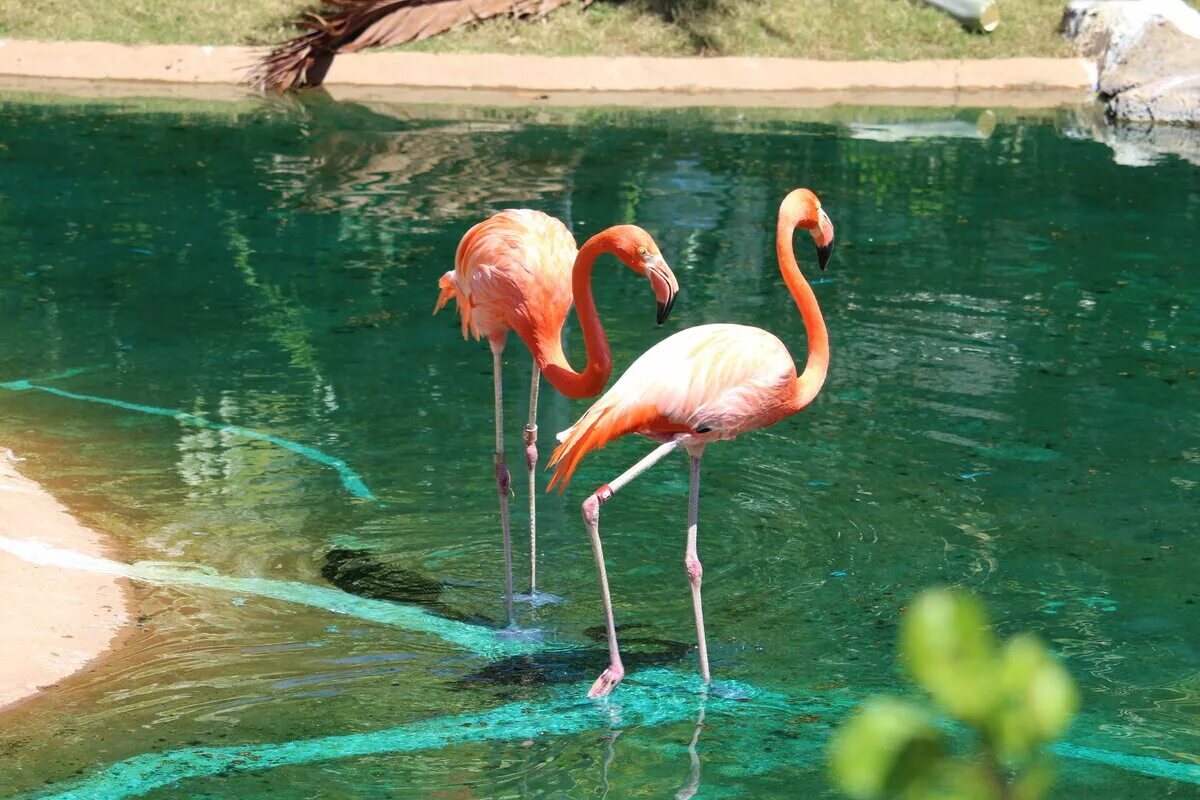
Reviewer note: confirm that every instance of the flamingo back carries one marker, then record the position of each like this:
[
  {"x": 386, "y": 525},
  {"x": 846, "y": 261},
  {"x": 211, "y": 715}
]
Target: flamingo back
[
  {"x": 712, "y": 382},
  {"x": 512, "y": 272}
]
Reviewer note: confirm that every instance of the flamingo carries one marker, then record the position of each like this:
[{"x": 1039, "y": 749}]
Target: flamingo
[
  {"x": 518, "y": 271},
  {"x": 698, "y": 386}
]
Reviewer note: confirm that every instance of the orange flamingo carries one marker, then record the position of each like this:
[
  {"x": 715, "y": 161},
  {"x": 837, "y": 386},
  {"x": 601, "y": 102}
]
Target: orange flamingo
[
  {"x": 698, "y": 386},
  {"x": 518, "y": 271}
]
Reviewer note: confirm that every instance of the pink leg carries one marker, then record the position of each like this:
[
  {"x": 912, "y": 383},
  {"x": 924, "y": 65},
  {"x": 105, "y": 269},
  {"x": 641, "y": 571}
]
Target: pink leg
[
  {"x": 531, "y": 459},
  {"x": 691, "y": 562},
  {"x": 591, "y": 520},
  {"x": 503, "y": 479}
]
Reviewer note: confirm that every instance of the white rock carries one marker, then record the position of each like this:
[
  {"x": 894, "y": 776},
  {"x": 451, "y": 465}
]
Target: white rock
[{"x": 1147, "y": 55}]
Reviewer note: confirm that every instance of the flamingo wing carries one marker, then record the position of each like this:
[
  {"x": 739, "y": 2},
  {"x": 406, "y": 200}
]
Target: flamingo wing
[
  {"x": 512, "y": 270},
  {"x": 715, "y": 381}
]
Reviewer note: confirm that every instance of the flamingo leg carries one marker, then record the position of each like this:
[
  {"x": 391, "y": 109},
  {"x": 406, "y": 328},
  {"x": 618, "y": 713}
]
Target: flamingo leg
[
  {"x": 591, "y": 520},
  {"x": 531, "y": 460},
  {"x": 503, "y": 479},
  {"x": 691, "y": 562}
]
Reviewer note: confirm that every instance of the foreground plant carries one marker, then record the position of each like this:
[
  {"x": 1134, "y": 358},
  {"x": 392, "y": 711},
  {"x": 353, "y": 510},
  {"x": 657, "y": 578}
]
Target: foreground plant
[{"x": 1014, "y": 697}]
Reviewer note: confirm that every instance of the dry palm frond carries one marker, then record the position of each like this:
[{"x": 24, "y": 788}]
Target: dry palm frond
[{"x": 354, "y": 24}]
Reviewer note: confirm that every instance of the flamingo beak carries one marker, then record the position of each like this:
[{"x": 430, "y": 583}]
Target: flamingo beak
[
  {"x": 823, "y": 254},
  {"x": 823, "y": 238},
  {"x": 664, "y": 284},
  {"x": 664, "y": 310}
]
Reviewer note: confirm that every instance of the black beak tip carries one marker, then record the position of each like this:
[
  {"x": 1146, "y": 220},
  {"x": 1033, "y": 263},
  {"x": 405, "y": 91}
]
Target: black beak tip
[
  {"x": 823, "y": 254},
  {"x": 664, "y": 309}
]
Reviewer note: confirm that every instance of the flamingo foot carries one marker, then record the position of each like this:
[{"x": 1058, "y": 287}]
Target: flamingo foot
[
  {"x": 728, "y": 691},
  {"x": 515, "y": 634},
  {"x": 607, "y": 681},
  {"x": 538, "y": 599}
]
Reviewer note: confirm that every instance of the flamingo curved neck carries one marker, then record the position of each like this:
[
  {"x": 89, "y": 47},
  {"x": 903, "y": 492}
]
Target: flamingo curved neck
[
  {"x": 548, "y": 351},
  {"x": 810, "y": 381}
]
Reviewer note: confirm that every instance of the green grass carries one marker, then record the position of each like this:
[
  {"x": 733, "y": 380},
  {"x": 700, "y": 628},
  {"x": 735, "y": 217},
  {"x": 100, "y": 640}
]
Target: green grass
[
  {"x": 825, "y": 29},
  {"x": 151, "y": 21}
]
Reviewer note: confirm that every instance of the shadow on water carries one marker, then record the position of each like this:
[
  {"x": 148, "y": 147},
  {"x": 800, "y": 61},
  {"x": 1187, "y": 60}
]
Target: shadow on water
[
  {"x": 376, "y": 576},
  {"x": 570, "y": 666}
]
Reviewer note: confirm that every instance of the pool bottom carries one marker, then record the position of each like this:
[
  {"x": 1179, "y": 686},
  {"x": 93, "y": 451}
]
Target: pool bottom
[{"x": 649, "y": 698}]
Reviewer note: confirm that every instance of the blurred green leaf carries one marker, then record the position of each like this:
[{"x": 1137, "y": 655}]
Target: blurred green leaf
[
  {"x": 948, "y": 647},
  {"x": 964, "y": 780},
  {"x": 887, "y": 748},
  {"x": 1015, "y": 700},
  {"x": 1034, "y": 782},
  {"x": 1039, "y": 699}
]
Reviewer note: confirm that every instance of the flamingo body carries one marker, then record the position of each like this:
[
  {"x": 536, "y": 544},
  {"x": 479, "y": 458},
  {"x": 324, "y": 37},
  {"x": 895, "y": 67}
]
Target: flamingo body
[
  {"x": 520, "y": 270},
  {"x": 702, "y": 385},
  {"x": 512, "y": 272},
  {"x": 711, "y": 382}
]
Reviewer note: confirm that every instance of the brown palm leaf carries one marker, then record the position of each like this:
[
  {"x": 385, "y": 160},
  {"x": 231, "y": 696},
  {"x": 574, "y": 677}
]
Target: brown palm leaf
[{"x": 351, "y": 25}]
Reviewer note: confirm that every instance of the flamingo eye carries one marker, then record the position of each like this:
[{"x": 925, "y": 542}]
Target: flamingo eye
[{"x": 642, "y": 252}]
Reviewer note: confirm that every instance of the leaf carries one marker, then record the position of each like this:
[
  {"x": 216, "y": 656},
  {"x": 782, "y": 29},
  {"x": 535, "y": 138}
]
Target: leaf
[
  {"x": 352, "y": 25},
  {"x": 964, "y": 780},
  {"x": 949, "y": 649},
  {"x": 887, "y": 748},
  {"x": 1040, "y": 699},
  {"x": 1034, "y": 782}
]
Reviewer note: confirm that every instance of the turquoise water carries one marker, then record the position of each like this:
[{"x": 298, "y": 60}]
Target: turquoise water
[{"x": 227, "y": 311}]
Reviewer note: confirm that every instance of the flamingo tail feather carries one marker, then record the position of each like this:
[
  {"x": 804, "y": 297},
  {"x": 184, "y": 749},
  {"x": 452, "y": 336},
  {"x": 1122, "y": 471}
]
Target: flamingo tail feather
[
  {"x": 600, "y": 425},
  {"x": 449, "y": 286}
]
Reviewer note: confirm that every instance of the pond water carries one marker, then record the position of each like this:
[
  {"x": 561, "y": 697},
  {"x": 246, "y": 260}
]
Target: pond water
[{"x": 1013, "y": 406}]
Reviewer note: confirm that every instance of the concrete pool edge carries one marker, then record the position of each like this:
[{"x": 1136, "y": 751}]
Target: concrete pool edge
[
  {"x": 699, "y": 81},
  {"x": 56, "y": 621}
]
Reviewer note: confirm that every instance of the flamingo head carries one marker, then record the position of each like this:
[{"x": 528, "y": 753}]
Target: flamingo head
[
  {"x": 638, "y": 250},
  {"x": 802, "y": 209}
]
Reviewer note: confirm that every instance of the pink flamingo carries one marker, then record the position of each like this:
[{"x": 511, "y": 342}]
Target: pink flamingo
[
  {"x": 518, "y": 271},
  {"x": 698, "y": 386}
]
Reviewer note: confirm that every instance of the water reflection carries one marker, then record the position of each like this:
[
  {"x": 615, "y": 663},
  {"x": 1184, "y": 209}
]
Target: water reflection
[
  {"x": 1134, "y": 144},
  {"x": 692, "y": 786},
  {"x": 421, "y": 172}
]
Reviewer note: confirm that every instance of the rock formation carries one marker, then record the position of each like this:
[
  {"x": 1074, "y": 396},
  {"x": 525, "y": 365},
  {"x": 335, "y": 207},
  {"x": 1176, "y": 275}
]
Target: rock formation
[{"x": 1147, "y": 56}]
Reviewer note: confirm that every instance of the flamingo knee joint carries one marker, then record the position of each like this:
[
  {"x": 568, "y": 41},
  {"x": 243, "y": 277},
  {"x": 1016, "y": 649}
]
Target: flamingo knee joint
[
  {"x": 591, "y": 506},
  {"x": 503, "y": 478}
]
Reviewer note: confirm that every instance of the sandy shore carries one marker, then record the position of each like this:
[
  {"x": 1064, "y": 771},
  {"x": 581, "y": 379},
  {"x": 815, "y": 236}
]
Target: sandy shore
[
  {"x": 102, "y": 61},
  {"x": 53, "y": 620}
]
